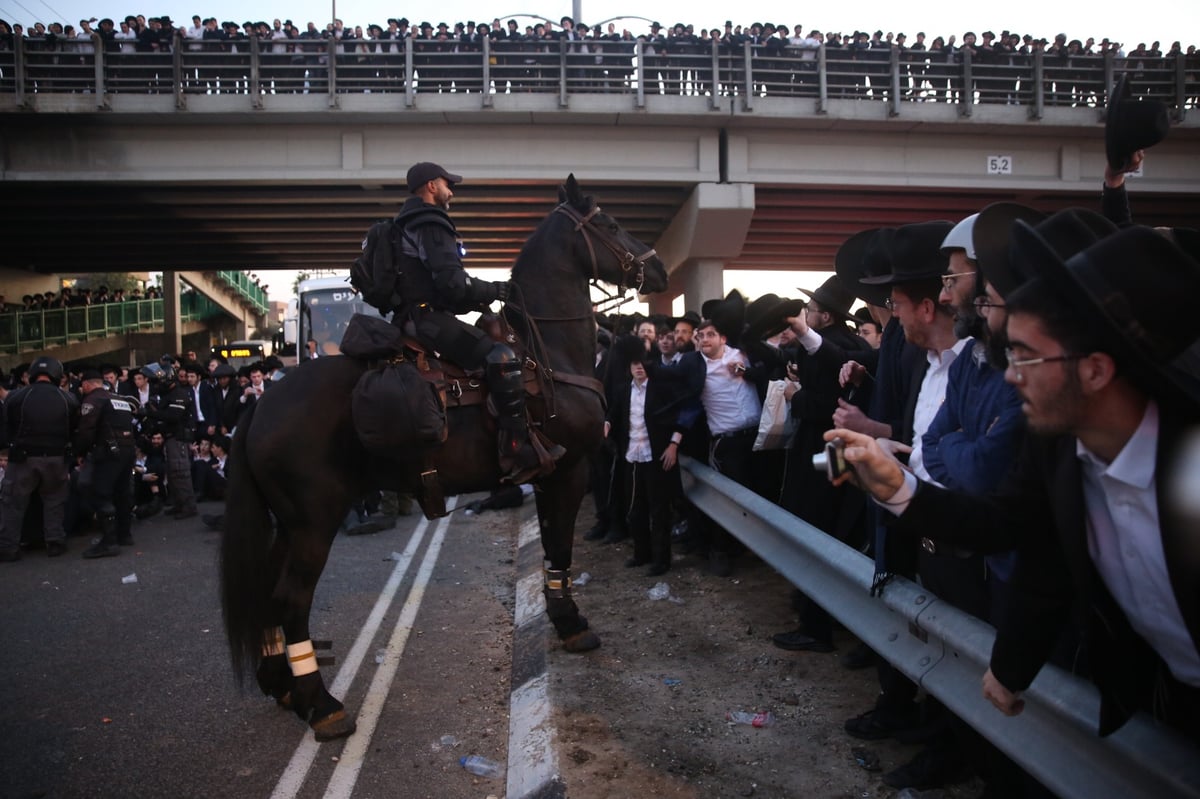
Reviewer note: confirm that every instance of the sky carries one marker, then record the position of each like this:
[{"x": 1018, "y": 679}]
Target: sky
[{"x": 1099, "y": 19}]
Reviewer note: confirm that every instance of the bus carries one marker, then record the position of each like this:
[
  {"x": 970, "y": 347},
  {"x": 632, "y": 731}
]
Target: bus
[
  {"x": 321, "y": 311},
  {"x": 240, "y": 353}
]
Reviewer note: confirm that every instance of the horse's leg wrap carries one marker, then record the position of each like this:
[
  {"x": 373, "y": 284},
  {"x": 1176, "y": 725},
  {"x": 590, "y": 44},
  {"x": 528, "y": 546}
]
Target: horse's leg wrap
[{"x": 302, "y": 658}]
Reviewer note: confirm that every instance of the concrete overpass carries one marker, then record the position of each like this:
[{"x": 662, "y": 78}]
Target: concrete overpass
[{"x": 739, "y": 179}]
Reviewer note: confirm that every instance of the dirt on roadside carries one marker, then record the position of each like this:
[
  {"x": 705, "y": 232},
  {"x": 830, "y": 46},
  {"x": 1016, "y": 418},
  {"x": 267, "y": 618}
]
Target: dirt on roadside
[{"x": 645, "y": 715}]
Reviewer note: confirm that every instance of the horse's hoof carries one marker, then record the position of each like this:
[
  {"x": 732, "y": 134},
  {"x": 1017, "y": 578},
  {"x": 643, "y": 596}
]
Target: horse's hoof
[
  {"x": 583, "y": 641},
  {"x": 284, "y": 701},
  {"x": 336, "y": 725}
]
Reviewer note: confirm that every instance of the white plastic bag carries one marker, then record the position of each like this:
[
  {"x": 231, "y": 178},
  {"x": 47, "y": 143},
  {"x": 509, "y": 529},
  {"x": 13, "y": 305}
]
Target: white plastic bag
[{"x": 776, "y": 427}]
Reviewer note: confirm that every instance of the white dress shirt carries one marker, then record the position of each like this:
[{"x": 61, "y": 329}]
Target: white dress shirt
[
  {"x": 730, "y": 402},
  {"x": 1125, "y": 543},
  {"x": 638, "y": 450}
]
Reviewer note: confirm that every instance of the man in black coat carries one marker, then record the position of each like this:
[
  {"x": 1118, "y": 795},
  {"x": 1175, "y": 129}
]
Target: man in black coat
[{"x": 1101, "y": 538}]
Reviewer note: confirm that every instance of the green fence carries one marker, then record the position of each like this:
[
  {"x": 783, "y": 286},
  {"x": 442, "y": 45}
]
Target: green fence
[
  {"x": 241, "y": 282},
  {"x": 23, "y": 331}
]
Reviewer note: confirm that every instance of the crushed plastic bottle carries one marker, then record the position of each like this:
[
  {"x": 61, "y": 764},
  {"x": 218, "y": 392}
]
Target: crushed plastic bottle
[
  {"x": 659, "y": 591},
  {"x": 129, "y": 579},
  {"x": 480, "y": 766},
  {"x": 764, "y": 719},
  {"x": 380, "y": 655},
  {"x": 582, "y": 580}
]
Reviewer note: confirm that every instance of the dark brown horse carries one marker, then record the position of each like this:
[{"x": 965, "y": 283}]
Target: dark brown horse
[{"x": 296, "y": 465}]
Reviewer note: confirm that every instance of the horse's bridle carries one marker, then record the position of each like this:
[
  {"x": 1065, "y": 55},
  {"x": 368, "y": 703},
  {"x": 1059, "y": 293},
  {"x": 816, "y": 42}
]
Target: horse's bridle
[{"x": 584, "y": 224}]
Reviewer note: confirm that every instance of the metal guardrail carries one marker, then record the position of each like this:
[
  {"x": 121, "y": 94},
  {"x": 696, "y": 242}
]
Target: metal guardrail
[
  {"x": 256, "y": 68},
  {"x": 24, "y": 331},
  {"x": 946, "y": 651}
]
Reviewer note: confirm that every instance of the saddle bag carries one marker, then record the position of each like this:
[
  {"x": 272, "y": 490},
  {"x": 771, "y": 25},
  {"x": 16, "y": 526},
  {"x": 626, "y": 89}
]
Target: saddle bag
[
  {"x": 369, "y": 338},
  {"x": 395, "y": 409}
]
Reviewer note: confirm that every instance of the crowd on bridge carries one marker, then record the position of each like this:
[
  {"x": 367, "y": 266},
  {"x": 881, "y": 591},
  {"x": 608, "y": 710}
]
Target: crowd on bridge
[
  {"x": 370, "y": 56},
  {"x": 67, "y": 297}
]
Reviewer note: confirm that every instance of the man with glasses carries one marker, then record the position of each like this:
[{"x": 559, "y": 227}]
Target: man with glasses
[
  {"x": 969, "y": 446},
  {"x": 1101, "y": 536}
]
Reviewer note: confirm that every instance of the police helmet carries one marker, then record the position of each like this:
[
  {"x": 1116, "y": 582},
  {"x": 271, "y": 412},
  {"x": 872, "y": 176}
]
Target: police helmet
[
  {"x": 46, "y": 366},
  {"x": 152, "y": 371}
]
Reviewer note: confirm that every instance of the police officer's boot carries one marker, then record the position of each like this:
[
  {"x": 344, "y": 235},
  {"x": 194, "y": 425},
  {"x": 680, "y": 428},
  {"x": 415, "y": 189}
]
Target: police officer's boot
[
  {"x": 106, "y": 545},
  {"x": 520, "y": 461}
]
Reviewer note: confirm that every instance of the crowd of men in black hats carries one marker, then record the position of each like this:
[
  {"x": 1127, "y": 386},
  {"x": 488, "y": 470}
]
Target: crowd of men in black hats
[
  {"x": 97, "y": 446},
  {"x": 1013, "y": 421},
  {"x": 296, "y": 58}
]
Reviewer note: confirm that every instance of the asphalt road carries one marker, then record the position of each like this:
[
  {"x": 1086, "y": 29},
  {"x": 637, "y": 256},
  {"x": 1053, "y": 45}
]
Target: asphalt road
[{"x": 115, "y": 689}]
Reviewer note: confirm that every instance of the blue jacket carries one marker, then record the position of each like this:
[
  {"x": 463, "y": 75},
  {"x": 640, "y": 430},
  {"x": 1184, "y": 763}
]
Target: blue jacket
[{"x": 972, "y": 442}]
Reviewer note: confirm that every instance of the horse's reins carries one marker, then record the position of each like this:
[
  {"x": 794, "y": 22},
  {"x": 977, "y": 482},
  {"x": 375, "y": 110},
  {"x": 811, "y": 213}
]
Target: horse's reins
[{"x": 627, "y": 259}]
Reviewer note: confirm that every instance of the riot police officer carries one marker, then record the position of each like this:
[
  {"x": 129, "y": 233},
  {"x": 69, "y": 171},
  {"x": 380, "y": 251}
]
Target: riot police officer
[
  {"x": 105, "y": 440},
  {"x": 433, "y": 286},
  {"x": 39, "y": 421},
  {"x": 176, "y": 413}
]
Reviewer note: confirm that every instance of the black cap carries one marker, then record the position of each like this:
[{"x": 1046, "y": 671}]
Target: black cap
[
  {"x": 91, "y": 373},
  {"x": 425, "y": 171}
]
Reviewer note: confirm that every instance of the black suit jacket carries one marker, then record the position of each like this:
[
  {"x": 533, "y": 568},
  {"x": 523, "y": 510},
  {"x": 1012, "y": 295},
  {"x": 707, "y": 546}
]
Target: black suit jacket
[{"x": 1040, "y": 511}]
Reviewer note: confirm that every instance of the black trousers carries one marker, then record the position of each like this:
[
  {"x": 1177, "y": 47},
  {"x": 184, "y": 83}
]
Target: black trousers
[{"x": 649, "y": 515}]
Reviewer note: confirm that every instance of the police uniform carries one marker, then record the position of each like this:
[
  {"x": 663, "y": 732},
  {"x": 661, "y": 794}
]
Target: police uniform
[
  {"x": 431, "y": 288},
  {"x": 177, "y": 414},
  {"x": 105, "y": 439},
  {"x": 39, "y": 421}
]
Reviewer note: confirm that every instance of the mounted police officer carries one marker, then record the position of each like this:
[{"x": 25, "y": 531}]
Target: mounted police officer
[
  {"x": 105, "y": 439},
  {"x": 433, "y": 286},
  {"x": 38, "y": 422},
  {"x": 177, "y": 415}
]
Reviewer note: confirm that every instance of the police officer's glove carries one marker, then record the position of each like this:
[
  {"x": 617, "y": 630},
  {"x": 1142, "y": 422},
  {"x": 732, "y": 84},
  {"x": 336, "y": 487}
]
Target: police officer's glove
[{"x": 504, "y": 290}]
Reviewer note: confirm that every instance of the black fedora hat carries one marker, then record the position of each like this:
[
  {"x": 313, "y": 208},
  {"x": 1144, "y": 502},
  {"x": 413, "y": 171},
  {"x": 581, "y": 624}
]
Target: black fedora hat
[
  {"x": 863, "y": 255},
  {"x": 728, "y": 315},
  {"x": 1067, "y": 232},
  {"x": 767, "y": 315},
  {"x": 690, "y": 317},
  {"x": 1131, "y": 125},
  {"x": 1134, "y": 289},
  {"x": 834, "y": 295},
  {"x": 915, "y": 253}
]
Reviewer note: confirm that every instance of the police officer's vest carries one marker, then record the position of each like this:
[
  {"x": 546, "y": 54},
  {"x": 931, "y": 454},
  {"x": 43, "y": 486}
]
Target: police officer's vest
[{"x": 415, "y": 282}]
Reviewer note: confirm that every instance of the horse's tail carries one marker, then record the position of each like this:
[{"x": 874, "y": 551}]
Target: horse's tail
[{"x": 246, "y": 578}]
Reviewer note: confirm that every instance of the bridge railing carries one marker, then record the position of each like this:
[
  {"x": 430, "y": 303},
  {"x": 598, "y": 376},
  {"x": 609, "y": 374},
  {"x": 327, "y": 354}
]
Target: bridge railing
[
  {"x": 256, "y": 68},
  {"x": 246, "y": 287},
  {"x": 31, "y": 331},
  {"x": 946, "y": 651}
]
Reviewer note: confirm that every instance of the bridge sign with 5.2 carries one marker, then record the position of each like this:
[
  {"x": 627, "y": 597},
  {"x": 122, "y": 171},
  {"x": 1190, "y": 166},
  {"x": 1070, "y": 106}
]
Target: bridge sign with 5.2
[{"x": 999, "y": 164}]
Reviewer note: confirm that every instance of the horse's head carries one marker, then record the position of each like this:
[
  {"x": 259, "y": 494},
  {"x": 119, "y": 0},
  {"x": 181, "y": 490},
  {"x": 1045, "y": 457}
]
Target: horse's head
[{"x": 615, "y": 256}]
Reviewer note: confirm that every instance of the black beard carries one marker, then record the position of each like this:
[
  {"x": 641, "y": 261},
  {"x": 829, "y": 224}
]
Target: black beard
[{"x": 995, "y": 344}]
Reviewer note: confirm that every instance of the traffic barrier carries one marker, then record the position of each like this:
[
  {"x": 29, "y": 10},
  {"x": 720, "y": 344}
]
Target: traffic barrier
[{"x": 946, "y": 652}]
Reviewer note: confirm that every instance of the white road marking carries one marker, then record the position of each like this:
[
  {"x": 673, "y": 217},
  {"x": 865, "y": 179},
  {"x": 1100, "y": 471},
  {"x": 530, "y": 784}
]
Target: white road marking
[
  {"x": 532, "y": 757},
  {"x": 293, "y": 777},
  {"x": 530, "y": 531},
  {"x": 350, "y": 762}
]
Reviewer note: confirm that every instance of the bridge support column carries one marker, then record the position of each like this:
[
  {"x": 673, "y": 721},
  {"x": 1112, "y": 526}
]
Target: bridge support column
[
  {"x": 702, "y": 279},
  {"x": 172, "y": 321},
  {"x": 709, "y": 230}
]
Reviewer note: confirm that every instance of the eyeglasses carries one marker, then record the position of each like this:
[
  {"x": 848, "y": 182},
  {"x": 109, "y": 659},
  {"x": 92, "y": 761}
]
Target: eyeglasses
[
  {"x": 890, "y": 304},
  {"x": 1018, "y": 364},
  {"x": 983, "y": 305},
  {"x": 948, "y": 280}
]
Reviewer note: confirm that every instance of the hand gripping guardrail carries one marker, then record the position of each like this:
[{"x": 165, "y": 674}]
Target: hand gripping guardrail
[{"x": 946, "y": 651}]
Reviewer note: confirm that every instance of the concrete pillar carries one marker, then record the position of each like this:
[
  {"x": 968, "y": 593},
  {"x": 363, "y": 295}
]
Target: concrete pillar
[
  {"x": 703, "y": 279},
  {"x": 172, "y": 324}
]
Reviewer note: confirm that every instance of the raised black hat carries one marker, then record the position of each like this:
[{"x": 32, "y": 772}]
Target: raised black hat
[{"x": 1131, "y": 125}]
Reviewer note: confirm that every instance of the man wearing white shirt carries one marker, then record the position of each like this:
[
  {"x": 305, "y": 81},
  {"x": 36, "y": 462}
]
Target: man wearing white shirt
[{"x": 733, "y": 408}]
